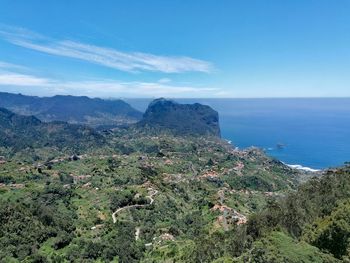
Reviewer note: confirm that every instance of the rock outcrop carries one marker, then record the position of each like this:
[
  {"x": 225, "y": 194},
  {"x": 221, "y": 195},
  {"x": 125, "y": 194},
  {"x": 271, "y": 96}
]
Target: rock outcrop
[{"x": 181, "y": 119}]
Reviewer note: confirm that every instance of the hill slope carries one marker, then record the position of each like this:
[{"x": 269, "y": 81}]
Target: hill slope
[
  {"x": 72, "y": 109},
  {"x": 144, "y": 198},
  {"x": 19, "y": 132}
]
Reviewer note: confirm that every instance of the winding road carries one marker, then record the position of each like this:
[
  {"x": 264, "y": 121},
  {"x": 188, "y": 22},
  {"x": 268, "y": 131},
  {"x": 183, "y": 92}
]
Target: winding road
[{"x": 150, "y": 197}]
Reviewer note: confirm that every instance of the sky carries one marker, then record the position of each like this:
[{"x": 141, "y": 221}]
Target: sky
[{"x": 176, "y": 48}]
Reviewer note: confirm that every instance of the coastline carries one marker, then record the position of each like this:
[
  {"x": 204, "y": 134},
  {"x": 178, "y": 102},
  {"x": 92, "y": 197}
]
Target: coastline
[
  {"x": 303, "y": 168},
  {"x": 293, "y": 166}
]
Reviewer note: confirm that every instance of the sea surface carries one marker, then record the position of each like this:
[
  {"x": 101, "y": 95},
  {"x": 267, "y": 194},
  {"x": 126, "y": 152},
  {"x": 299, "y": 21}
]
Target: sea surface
[{"x": 312, "y": 133}]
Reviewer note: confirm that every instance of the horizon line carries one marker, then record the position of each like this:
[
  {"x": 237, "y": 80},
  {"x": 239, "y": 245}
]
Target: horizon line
[{"x": 201, "y": 98}]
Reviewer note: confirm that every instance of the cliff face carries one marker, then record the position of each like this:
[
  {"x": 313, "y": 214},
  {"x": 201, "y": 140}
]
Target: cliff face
[{"x": 181, "y": 119}]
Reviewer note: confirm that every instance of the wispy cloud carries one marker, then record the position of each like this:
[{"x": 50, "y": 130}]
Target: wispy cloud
[
  {"x": 6, "y": 65},
  {"x": 11, "y": 80},
  {"x": 164, "y": 80},
  {"x": 108, "y": 57},
  {"x": 133, "y": 89},
  {"x": 10, "y": 74},
  {"x": 14, "y": 79}
]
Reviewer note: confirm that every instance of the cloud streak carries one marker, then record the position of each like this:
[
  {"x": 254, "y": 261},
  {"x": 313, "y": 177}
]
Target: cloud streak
[
  {"x": 14, "y": 79},
  {"x": 108, "y": 57},
  {"x": 10, "y": 75},
  {"x": 26, "y": 83}
]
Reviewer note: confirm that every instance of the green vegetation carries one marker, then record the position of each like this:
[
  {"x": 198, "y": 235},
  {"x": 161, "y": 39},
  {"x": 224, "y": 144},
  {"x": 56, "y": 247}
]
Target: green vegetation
[
  {"x": 71, "y": 194},
  {"x": 318, "y": 213},
  {"x": 166, "y": 193},
  {"x": 27, "y": 132}
]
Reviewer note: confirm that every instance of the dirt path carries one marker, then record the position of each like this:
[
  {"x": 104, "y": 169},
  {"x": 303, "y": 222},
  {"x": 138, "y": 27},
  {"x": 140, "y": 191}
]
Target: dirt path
[
  {"x": 150, "y": 197},
  {"x": 137, "y": 233}
]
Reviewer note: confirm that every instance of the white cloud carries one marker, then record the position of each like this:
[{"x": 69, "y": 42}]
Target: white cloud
[
  {"x": 34, "y": 85},
  {"x": 5, "y": 65},
  {"x": 14, "y": 79},
  {"x": 108, "y": 57},
  {"x": 164, "y": 80},
  {"x": 10, "y": 75}
]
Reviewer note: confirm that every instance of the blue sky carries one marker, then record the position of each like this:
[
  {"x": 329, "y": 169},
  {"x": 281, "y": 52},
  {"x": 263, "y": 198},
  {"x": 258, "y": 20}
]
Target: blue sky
[{"x": 178, "y": 48}]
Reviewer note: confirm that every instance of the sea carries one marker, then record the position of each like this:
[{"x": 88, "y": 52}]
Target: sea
[{"x": 306, "y": 133}]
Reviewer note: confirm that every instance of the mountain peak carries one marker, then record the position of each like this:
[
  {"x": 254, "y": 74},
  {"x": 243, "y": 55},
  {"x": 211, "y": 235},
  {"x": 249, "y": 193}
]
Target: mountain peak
[{"x": 181, "y": 119}]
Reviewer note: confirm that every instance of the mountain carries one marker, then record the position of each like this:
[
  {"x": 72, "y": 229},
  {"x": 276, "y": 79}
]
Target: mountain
[
  {"x": 79, "y": 110},
  {"x": 19, "y": 132},
  {"x": 181, "y": 119}
]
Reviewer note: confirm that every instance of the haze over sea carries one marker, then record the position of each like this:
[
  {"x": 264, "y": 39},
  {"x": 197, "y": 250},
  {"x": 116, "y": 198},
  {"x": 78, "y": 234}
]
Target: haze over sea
[{"x": 314, "y": 132}]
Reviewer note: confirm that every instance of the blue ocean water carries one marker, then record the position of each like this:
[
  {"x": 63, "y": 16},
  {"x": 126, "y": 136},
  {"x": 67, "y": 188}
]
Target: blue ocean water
[{"x": 315, "y": 132}]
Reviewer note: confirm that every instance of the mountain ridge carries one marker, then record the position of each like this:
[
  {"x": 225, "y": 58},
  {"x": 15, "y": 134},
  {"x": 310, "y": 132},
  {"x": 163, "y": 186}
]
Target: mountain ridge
[{"x": 94, "y": 112}]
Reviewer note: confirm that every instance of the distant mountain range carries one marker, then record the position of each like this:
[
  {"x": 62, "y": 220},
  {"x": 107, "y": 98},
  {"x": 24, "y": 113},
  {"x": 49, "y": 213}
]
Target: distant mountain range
[
  {"x": 181, "y": 119},
  {"x": 161, "y": 114},
  {"x": 79, "y": 110}
]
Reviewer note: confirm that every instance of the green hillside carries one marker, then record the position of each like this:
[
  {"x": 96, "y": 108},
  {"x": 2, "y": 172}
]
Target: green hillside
[
  {"x": 18, "y": 133},
  {"x": 130, "y": 195}
]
